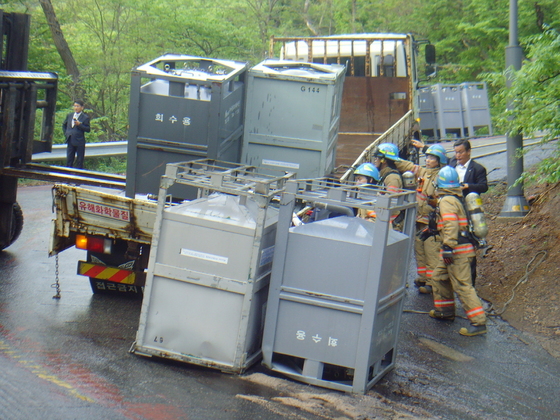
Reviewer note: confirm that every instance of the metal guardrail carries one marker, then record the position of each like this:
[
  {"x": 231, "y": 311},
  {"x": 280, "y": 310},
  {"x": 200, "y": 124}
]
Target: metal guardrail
[
  {"x": 113, "y": 148},
  {"x": 65, "y": 175},
  {"x": 481, "y": 147},
  {"x": 39, "y": 169}
]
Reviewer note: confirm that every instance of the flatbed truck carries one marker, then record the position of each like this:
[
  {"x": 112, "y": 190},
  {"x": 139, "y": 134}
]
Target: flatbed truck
[{"x": 379, "y": 104}]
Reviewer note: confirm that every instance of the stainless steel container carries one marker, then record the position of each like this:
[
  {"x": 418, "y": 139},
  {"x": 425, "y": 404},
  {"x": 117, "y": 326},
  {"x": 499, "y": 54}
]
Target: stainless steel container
[{"x": 209, "y": 268}]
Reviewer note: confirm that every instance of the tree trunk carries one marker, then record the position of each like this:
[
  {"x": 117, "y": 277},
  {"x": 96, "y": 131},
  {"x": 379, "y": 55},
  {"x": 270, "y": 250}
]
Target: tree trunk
[
  {"x": 63, "y": 49},
  {"x": 308, "y": 22},
  {"x": 353, "y": 16}
]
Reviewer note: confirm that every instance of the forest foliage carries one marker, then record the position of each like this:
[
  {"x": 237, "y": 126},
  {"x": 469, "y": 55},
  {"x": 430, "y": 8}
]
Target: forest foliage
[{"x": 107, "y": 38}]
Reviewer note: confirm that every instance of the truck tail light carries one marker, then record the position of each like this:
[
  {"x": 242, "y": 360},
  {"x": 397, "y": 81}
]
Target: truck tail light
[{"x": 94, "y": 243}]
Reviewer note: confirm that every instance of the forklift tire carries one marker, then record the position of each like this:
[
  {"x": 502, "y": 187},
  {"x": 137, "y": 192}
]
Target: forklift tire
[{"x": 17, "y": 224}]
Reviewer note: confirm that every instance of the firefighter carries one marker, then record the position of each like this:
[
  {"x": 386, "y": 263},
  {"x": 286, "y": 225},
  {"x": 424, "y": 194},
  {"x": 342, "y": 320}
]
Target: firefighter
[
  {"x": 366, "y": 175},
  {"x": 427, "y": 241},
  {"x": 384, "y": 160},
  {"x": 453, "y": 272}
]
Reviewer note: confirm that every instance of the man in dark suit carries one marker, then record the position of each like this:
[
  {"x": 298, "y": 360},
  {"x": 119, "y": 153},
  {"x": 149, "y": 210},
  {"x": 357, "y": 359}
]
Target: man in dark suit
[
  {"x": 74, "y": 127},
  {"x": 471, "y": 174}
]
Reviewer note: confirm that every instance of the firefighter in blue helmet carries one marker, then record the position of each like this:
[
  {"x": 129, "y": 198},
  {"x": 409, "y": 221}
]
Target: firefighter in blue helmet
[
  {"x": 453, "y": 272},
  {"x": 366, "y": 175},
  {"x": 385, "y": 158},
  {"x": 427, "y": 242}
]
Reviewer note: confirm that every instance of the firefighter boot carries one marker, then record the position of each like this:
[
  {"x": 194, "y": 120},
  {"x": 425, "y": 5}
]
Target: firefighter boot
[
  {"x": 472, "y": 330},
  {"x": 442, "y": 315}
]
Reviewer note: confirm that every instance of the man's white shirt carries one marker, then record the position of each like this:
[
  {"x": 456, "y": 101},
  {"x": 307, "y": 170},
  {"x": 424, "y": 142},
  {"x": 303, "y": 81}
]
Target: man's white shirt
[
  {"x": 462, "y": 170},
  {"x": 76, "y": 116}
]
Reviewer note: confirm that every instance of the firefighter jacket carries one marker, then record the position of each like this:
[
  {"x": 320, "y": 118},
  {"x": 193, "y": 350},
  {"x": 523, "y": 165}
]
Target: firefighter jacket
[
  {"x": 391, "y": 185},
  {"x": 390, "y": 179},
  {"x": 452, "y": 220},
  {"x": 425, "y": 191}
]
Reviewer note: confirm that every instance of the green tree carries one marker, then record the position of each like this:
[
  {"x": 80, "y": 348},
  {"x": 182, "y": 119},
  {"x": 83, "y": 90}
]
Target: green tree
[
  {"x": 535, "y": 95},
  {"x": 110, "y": 37}
]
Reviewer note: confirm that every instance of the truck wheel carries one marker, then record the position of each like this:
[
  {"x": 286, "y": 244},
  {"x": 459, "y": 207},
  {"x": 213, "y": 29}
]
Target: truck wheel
[{"x": 17, "y": 224}]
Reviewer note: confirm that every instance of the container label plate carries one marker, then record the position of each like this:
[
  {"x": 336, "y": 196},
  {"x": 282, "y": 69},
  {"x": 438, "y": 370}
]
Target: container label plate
[
  {"x": 269, "y": 162},
  {"x": 204, "y": 256}
]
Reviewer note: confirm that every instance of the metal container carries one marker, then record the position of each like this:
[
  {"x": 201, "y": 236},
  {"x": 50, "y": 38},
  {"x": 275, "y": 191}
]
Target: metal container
[
  {"x": 449, "y": 112},
  {"x": 182, "y": 108},
  {"x": 337, "y": 287},
  {"x": 427, "y": 113},
  {"x": 292, "y": 116},
  {"x": 209, "y": 267},
  {"x": 476, "y": 111}
]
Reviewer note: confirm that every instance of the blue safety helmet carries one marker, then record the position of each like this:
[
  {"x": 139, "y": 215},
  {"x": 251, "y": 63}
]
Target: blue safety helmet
[
  {"x": 369, "y": 170},
  {"x": 439, "y": 151},
  {"x": 389, "y": 151},
  {"x": 448, "y": 178}
]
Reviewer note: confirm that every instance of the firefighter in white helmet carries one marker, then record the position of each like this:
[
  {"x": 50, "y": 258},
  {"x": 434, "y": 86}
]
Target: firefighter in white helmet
[
  {"x": 453, "y": 272},
  {"x": 427, "y": 241}
]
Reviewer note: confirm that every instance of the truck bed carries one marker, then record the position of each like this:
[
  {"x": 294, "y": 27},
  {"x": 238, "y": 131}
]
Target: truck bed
[{"x": 100, "y": 212}]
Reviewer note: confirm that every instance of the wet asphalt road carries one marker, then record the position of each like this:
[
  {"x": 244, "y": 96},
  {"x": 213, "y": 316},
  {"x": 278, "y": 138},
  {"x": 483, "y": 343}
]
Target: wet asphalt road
[{"x": 68, "y": 359}]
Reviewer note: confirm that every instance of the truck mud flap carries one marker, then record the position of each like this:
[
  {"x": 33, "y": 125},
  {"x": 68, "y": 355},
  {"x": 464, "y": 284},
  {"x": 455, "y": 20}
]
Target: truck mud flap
[{"x": 112, "y": 280}]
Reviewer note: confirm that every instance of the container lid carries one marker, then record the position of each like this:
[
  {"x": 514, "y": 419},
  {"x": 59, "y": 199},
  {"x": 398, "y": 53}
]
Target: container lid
[
  {"x": 178, "y": 66},
  {"x": 345, "y": 229},
  {"x": 342, "y": 228},
  {"x": 226, "y": 209},
  {"x": 287, "y": 69}
]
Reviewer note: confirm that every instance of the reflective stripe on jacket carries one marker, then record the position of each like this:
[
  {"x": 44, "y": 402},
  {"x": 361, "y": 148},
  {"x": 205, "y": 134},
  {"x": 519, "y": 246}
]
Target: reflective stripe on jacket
[
  {"x": 391, "y": 180},
  {"x": 452, "y": 220}
]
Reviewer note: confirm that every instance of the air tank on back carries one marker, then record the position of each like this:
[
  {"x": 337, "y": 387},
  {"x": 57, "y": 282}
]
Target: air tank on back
[{"x": 476, "y": 213}]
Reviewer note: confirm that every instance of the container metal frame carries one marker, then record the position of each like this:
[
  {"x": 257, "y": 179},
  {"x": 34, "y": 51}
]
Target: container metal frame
[
  {"x": 170, "y": 126},
  {"x": 209, "y": 176},
  {"x": 449, "y": 110},
  {"x": 369, "y": 366},
  {"x": 292, "y": 116},
  {"x": 476, "y": 112}
]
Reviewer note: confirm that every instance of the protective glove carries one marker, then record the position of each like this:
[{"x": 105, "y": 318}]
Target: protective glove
[
  {"x": 424, "y": 234},
  {"x": 447, "y": 254}
]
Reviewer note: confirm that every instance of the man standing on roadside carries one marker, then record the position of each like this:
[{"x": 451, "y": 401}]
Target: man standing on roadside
[
  {"x": 75, "y": 125},
  {"x": 471, "y": 174}
]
